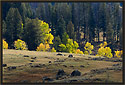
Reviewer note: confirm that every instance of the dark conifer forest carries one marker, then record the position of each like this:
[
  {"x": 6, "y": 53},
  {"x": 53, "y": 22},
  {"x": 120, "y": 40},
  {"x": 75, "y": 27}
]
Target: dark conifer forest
[{"x": 81, "y": 21}]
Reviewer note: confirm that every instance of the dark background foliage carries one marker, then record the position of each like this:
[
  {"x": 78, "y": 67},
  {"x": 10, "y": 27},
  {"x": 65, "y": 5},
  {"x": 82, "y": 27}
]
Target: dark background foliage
[{"x": 79, "y": 21}]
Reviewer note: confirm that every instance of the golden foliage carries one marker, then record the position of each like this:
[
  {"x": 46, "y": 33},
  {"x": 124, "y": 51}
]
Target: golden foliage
[
  {"x": 88, "y": 48},
  {"x": 78, "y": 51},
  {"x": 5, "y": 45},
  {"x": 53, "y": 50},
  {"x": 20, "y": 45},
  {"x": 62, "y": 47},
  {"x": 104, "y": 51},
  {"x": 103, "y": 44},
  {"x": 46, "y": 36},
  {"x": 71, "y": 46},
  {"x": 43, "y": 47},
  {"x": 118, "y": 53}
]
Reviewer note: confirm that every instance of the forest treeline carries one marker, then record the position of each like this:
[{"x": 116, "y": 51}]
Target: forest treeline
[{"x": 82, "y": 22}]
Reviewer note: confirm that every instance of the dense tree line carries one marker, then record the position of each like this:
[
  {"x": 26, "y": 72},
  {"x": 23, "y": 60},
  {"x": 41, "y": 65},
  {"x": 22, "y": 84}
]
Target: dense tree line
[{"x": 82, "y": 22}]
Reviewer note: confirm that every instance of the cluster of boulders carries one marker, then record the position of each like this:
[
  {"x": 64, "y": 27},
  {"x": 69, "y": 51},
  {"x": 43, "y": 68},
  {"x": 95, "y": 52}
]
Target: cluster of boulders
[
  {"x": 118, "y": 60},
  {"x": 59, "y": 60},
  {"x": 62, "y": 75},
  {"x": 116, "y": 67},
  {"x": 118, "y": 64},
  {"x": 11, "y": 67},
  {"x": 59, "y": 54},
  {"x": 113, "y": 60},
  {"x": 32, "y": 58},
  {"x": 105, "y": 59},
  {"x": 14, "y": 67},
  {"x": 38, "y": 65},
  {"x": 82, "y": 66},
  {"x": 98, "y": 71}
]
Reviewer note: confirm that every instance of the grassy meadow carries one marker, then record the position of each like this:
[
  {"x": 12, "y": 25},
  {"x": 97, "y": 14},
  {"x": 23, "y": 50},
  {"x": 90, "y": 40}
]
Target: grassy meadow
[{"x": 25, "y": 72}]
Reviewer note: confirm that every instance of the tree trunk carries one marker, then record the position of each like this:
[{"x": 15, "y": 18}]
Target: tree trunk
[
  {"x": 98, "y": 36},
  {"x": 103, "y": 36},
  {"x": 84, "y": 33}
]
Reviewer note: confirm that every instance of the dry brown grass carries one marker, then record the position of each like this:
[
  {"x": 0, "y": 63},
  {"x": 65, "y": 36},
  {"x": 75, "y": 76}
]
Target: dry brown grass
[{"x": 33, "y": 75}]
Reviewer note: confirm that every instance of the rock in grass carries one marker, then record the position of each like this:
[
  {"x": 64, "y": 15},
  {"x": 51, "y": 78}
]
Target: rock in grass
[
  {"x": 43, "y": 65},
  {"x": 32, "y": 60},
  {"x": 64, "y": 65},
  {"x": 24, "y": 81},
  {"x": 76, "y": 73},
  {"x": 26, "y": 56},
  {"x": 60, "y": 54},
  {"x": 60, "y": 73},
  {"x": 73, "y": 81},
  {"x": 71, "y": 66},
  {"x": 82, "y": 66},
  {"x": 70, "y": 56},
  {"x": 50, "y": 62},
  {"x": 11, "y": 67},
  {"x": 4, "y": 65},
  {"x": 117, "y": 60},
  {"x": 61, "y": 61},
  {"x": 37, "y": 65},
  {"x": 30, "y": 63},
  {"x": 46, "y": 79},
  {"x": 45, "y": 57},
  {"x": 97, "y": 79},
  {"x": 116, "y": 64},
  {"x": 94, "y": 58},
  {"x": 33, "y": 57},
  {"x": 89, "y": 57},
  {"x": 98, "y": 71}
]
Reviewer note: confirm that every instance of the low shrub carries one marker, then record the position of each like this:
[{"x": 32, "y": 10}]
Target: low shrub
[{"x": 20, "y": 45}]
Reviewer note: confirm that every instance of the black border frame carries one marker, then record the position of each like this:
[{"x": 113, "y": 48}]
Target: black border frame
[{"x": 123, "y": 25}]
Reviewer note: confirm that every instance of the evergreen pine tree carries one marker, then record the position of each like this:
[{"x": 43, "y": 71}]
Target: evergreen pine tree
[
  {"x": 61, "y": 27},
  {"x": 14, "y": 26},
  {"x": 57, "y": 42},
  {"x": 4, "y": 29},
  {"x": 40, "y": 11},
  {"x": 70, "y": 30},
  {"x": 65, "y": 38}
]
